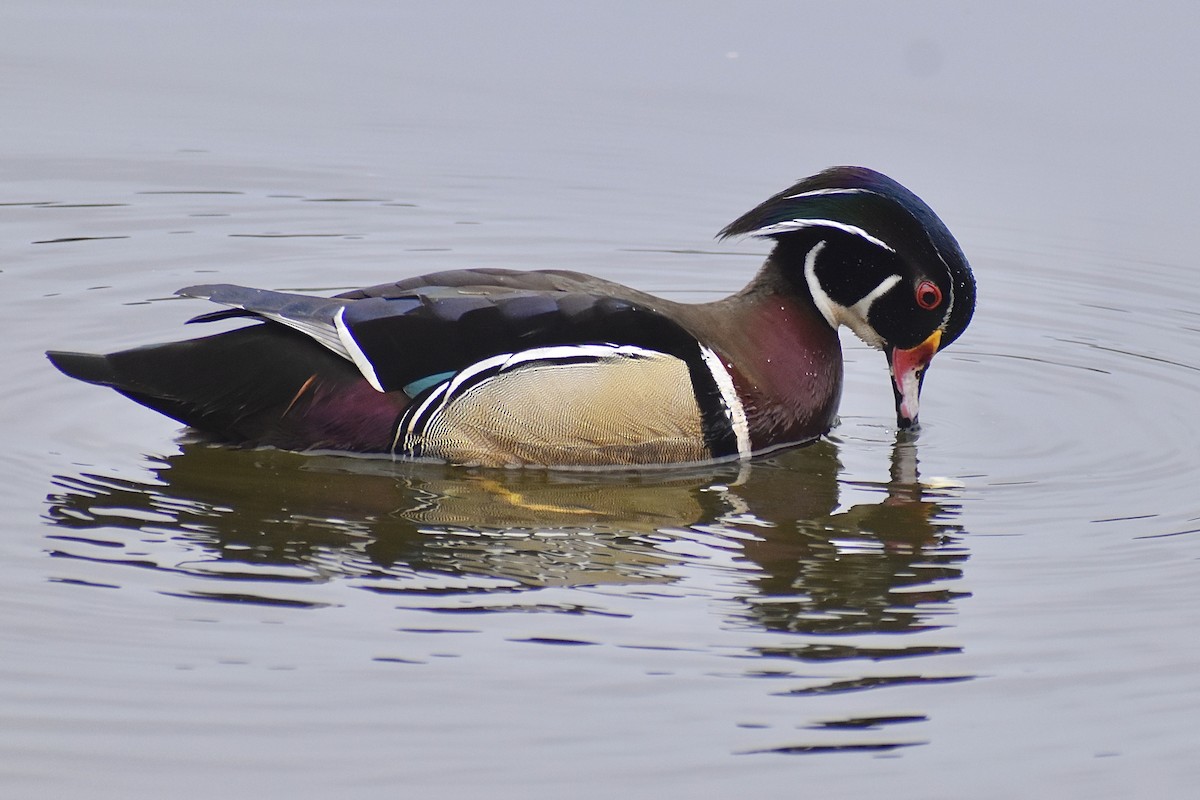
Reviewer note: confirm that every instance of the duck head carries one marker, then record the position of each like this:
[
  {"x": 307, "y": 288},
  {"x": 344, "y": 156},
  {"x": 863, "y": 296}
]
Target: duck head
[{"x": 875, "y": 258}]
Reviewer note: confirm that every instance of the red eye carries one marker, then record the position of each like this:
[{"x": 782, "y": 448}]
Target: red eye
[{"x": 928, "y": 295}]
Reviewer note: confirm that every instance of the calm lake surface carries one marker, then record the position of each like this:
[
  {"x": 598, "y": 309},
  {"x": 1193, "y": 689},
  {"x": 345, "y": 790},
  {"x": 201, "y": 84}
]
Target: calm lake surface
[{"x": 1006, "y": 605}]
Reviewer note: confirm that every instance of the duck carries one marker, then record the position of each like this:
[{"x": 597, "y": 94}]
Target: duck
[{"x": 554, "y": 368}]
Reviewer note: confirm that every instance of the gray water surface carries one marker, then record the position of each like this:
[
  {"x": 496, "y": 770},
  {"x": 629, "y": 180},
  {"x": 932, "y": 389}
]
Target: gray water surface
[{"x": 1006, "y": 605}]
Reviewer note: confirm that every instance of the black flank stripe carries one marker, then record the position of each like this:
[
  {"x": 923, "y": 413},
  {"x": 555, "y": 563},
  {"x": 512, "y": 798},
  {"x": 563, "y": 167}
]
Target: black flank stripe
[{"x": 714, "y": 415}]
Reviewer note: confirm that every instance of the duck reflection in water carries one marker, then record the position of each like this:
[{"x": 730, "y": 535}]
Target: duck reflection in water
[{"x": 807, "y": 562}]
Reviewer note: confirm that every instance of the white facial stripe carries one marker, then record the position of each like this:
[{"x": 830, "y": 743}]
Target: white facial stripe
[
  {"x": 729, "y": 396},
  {"x": 819, "y": 192},
  {"x": 356, "y": 354},
  {"x": 798, "y": 224},
  {"x": 885, "y": 286},
  {"x": 854, "y": 317},
  {"x": 950, "y": 298},
  {"x": 825, "y": 304}
]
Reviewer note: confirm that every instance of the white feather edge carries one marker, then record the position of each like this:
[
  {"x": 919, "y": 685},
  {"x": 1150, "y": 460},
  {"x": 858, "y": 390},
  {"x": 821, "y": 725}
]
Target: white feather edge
[
  {"x": 350, "y": 349},
  {"x": 337, "y": 338},
  {"x": 320, "y": 332}
]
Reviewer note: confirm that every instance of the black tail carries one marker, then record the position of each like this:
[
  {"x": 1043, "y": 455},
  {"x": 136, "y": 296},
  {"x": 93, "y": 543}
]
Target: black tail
[
  {"x": 85, "y": 367},
  {"x": 261, "y": 385}
]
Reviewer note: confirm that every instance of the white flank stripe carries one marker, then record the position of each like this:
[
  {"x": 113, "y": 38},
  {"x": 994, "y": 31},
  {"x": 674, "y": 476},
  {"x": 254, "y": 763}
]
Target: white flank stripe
[
  {"x": 417, "y": 417},
  {"x": 356, "y": 354},
  {"x": 575, "y": 350},
  {"x": 504, "y": 361},
  {"x": 733, "y": 403},
  {"x": 470, "y": 372},
  {"x": 798, "y": 224}
]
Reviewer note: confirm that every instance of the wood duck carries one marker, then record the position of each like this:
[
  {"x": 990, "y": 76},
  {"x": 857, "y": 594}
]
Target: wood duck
[{"x": 500, "y": 367}]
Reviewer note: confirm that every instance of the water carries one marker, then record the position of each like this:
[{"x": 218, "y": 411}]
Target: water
[{"x": 1005, "y": 606}]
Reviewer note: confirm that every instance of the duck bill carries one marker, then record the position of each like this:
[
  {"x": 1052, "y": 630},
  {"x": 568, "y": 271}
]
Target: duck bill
[{"x": 908, "y": 373}]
